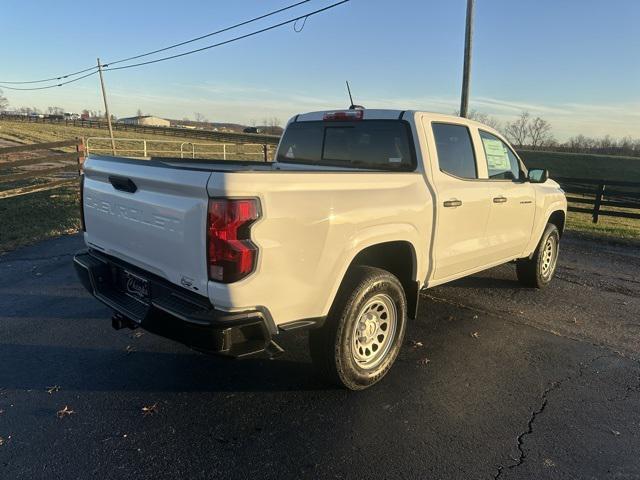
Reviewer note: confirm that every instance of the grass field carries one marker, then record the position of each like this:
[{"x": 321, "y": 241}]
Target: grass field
[
  {"x": 56, "y": 212},
  {"x": 30, "y": 218},
  {"x": 127, "y": 144},
  {"x": 582, "y": 165}
]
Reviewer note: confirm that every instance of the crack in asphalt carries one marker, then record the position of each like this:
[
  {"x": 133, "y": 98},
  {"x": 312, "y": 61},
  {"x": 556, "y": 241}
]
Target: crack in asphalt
[{"x": 534, "y": 414}]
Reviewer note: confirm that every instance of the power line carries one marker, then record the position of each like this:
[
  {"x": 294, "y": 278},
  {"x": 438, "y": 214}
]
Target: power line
[
  {"x": 52, "y": 86},
  {"x": 235, "y": 39},
  {"x": 175, "y": 45},
  {"x": 246, "y": 22},
  {"x": 50, "y": 79}
]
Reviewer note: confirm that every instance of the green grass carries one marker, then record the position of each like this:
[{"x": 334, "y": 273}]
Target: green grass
[
  {"x": 582, "y": 165},
  {"x": 30, "y": 218},
  {"x": 619, "y": 229}
]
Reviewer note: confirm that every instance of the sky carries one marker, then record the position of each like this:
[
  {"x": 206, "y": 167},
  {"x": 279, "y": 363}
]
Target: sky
[{"x": 576, "y": 63}]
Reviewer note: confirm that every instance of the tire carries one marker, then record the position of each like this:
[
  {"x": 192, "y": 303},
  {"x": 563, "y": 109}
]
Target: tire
[
  {"x": 360, "y": 339},
  {"x": 538, "y": 271}
]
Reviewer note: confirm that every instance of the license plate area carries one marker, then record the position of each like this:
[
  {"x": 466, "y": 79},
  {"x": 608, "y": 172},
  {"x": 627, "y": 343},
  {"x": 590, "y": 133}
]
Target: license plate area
[{"x": 134, "y": 286}]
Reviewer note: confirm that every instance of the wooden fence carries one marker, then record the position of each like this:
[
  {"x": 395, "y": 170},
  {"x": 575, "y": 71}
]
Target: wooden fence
[
  {"x": 20, "y": 176},
  {"x": 622, "y": 198},
  {"x": 224, "y": 137}
]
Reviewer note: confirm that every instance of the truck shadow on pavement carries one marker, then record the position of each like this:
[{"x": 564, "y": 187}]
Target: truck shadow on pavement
[{"x": 35, "y": 367}]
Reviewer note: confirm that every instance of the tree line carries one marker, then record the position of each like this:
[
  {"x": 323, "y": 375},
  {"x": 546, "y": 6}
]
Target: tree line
[{"x": 535, "y": 133}]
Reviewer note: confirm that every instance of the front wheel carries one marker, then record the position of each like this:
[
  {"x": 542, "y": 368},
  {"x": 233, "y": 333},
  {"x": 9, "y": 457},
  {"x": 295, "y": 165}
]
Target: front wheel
[
  {"x": 538, "y": 270},
  {"x": 363, "y": 333}
]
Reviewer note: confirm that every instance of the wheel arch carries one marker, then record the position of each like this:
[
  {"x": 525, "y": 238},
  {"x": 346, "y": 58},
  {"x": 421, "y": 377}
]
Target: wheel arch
[
  {"x": 558, "y": 218},
  {"x": 399, "y": 258}
]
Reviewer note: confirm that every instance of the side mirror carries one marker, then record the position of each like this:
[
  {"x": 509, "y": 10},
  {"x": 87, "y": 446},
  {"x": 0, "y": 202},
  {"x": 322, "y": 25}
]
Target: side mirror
[{"x": 538, "y": 175}]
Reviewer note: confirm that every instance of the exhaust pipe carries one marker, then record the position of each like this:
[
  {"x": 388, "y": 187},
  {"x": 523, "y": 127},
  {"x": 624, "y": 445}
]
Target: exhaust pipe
[{"x": 119, "y": 321}]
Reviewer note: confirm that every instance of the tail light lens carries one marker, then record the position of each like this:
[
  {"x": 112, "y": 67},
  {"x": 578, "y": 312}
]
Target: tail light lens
[{"x": 231, "y": 255}]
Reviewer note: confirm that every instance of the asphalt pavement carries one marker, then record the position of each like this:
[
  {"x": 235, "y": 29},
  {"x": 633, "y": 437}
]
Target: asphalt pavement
[{"x": 495, "y": 381}]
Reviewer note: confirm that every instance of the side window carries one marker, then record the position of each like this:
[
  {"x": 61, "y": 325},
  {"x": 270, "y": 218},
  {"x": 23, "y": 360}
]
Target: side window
[
  {"x": 501, "y": 161},
  {"x": 455, "y": 150}
]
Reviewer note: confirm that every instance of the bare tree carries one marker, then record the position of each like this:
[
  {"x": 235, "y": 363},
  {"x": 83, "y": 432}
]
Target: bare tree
[
  {"x": 55, "y": 110},
  {"x": 4, "y": 103},
  {"x": 482, "y": 118},
  {"x": 273, "y": 125},
  {"x": 29, "y": 110},
  {"x": 539, "y": 131},
  {"x": 139, "y": 112},
  {"x": 200, "y": 118},
  {"x": 518, "y": 130}
]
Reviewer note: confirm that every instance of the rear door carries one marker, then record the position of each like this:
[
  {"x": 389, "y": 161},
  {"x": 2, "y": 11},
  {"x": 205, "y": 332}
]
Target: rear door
[
  {"x": 150, "y": 215},
  {"x": 512, "y": 200},
  {"x": 463, "y": 206}
]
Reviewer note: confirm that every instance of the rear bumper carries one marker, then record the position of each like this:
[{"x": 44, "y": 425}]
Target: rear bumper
[{"x": 173, "y": 312}]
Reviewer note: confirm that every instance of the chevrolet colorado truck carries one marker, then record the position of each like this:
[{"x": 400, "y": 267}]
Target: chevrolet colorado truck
[{"x": 360, "y": 210}]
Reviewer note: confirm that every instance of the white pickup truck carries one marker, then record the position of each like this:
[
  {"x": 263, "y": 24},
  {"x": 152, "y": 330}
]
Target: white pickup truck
[{"x": 360, "y": 210}]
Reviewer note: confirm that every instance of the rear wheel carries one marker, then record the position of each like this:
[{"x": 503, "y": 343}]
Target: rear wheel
[
  {"x": 363, "y": 333},
  {"x": 538, "y": 270}
]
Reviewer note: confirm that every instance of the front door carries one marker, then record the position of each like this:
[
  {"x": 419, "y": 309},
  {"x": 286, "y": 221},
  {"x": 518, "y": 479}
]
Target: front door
[{"x": 512, "y": 200}]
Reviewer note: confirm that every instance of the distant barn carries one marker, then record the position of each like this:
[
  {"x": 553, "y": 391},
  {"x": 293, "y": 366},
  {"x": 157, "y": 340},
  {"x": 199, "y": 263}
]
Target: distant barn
[{"x": 146, "y": 120}]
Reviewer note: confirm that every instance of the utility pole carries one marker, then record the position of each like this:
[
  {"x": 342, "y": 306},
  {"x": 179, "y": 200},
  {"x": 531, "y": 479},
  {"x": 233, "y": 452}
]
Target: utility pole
[
  {"x": 106, "y": 109},
  {"x": 466, "y": 72}
]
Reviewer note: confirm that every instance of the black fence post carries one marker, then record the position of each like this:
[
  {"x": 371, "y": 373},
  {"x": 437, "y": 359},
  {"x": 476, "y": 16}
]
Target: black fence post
[
  {"x": 265, "y": 150},
  {"x": 598, "y": 202}
]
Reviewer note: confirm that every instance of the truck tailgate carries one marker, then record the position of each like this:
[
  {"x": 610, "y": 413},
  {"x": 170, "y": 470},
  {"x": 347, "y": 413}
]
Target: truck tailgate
[{"x": 149, "y": 215}]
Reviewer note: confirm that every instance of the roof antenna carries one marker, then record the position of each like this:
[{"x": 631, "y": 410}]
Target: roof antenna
[{"x": 353, "y": 106}]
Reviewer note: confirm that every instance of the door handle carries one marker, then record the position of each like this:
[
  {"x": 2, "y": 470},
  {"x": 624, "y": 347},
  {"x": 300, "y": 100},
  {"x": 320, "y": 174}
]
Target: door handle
[
  {"x": 452, "y": 203},
  {"x": 500, "y": 199}
]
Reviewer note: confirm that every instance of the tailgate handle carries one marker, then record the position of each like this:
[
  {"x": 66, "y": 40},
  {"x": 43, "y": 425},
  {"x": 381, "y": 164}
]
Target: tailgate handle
[{"x": 123, "y": 184}]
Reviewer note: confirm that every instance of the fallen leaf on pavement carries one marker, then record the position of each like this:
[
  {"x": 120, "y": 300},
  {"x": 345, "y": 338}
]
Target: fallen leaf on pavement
[
  {"x": 416, "y": 344},
  {"x": 137, "y": 334},
  {"x": 55, "y": 388},
  {"x": 475, "y": 317},
  {"x": 615, "y": 432},
  {"x": 130, "y": 349},
  {"x": 150, "y": 410},
  {"x": 475, "y": 334},
  {"x": 65, "y": 411},
  {"x": 423, "y": 361}
]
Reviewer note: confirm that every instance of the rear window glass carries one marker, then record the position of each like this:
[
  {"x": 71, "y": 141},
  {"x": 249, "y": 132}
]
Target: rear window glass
[{"x": 376, "y": 144}]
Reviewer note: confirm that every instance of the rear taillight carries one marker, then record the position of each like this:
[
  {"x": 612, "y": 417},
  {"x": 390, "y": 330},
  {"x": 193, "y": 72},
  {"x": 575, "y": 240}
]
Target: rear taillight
[
  {"x": 82, "y": 225},
  {"x": 343, "y": 116},
  {"x": 231, "y": 255}
]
